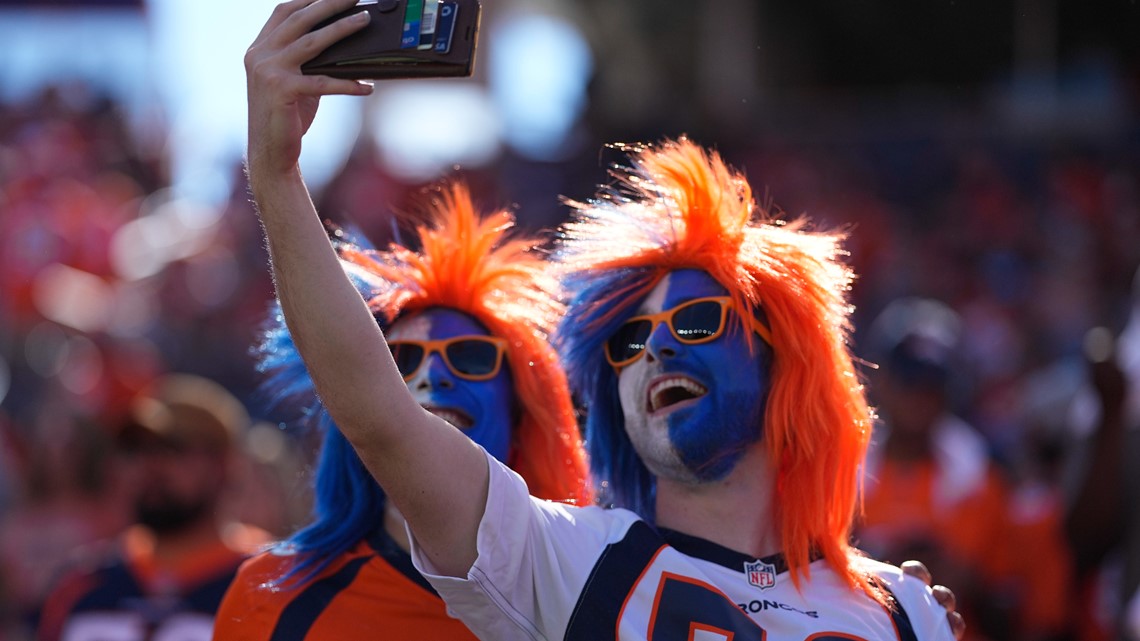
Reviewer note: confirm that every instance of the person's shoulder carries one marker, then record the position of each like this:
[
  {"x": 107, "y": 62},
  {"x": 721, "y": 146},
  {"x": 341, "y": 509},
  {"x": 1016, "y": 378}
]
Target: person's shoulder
[
  {"x": 257, "y": 595},
  {"x": 590, "y": 512},
  {"x": 264, "y": 568},
  {"x": 507, "y": 490},
  {"x": 272, "y": 571},
  {"x": 615, "y": 521},
  {"x": 891, "y": 575}
]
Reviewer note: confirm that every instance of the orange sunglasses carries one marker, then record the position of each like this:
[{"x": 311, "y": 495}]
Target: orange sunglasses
[
  {"x": 695, "y": 321},
  {"x": 473, "y": 358}
]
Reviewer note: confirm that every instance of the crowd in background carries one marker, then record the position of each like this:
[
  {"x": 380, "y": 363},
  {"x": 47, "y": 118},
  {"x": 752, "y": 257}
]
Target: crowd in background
[{"x": 107, "y": 281}]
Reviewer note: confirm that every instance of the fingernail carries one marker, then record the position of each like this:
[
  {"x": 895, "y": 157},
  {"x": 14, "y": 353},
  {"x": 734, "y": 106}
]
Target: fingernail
[{"x": 363, "y": 16}]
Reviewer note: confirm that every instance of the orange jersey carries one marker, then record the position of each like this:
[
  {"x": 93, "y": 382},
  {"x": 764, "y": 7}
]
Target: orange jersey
[
  {"x": 371, "y": 589},
  {"x": 900, "y": 509},
  {"x": 1012, "y": 542}
]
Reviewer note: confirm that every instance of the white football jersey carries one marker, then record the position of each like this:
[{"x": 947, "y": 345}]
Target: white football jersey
[{"x": 551, "y": 571}]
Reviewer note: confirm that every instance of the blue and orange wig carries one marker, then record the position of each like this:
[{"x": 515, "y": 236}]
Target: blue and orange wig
[
  {"x": 679, "y": 206},
  {"x": 468, "y": 264}
]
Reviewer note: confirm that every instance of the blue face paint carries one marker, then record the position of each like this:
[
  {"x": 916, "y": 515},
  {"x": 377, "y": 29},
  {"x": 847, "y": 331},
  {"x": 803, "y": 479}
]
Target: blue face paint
[
  {"x": 692, "y": 409},
  {"x": 482, "y": 409}
]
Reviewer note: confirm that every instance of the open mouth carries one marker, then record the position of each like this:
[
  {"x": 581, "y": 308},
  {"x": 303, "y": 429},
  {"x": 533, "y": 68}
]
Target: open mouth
[
  {"x": 459, "y": 419},
  {"x": 674, "y": 390}
]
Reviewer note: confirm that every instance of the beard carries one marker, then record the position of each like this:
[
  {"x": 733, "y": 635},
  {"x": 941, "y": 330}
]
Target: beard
[{"x": 165, "y": 514}]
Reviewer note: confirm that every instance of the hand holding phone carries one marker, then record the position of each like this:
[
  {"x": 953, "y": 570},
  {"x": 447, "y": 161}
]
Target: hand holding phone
[{"x": 404, "y": 39}]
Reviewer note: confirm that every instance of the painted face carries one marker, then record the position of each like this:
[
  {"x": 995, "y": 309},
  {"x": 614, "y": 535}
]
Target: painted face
[
  {"x": 691, "y": 409},
  {"x": 481, "y": 408}
]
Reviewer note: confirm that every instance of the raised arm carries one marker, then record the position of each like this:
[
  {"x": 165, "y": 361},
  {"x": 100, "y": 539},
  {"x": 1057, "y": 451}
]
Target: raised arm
[{"x": 433, "y": 473}]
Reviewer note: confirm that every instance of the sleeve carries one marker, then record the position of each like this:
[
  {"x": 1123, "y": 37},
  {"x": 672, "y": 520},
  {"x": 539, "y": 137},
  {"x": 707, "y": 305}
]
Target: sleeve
[
  {"x": 534, "y": 558},
  {"x": 926, "y": 616}
]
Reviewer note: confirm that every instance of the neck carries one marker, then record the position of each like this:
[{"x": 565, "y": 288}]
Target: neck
[{"x": 744, "y": 498}]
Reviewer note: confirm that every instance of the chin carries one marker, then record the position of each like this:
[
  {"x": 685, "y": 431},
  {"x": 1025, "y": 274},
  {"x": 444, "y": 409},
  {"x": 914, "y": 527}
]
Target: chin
[
  {"x": 654, "y": 447},
  {"x": 707, "y": 450}
]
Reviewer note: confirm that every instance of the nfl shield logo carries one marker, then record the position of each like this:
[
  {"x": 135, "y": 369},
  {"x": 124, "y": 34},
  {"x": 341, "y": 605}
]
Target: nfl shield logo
[{"x": 761, "y": 574}]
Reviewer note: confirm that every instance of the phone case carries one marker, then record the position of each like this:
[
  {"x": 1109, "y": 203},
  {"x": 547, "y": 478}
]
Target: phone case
[{"x": 404, "y": 39}]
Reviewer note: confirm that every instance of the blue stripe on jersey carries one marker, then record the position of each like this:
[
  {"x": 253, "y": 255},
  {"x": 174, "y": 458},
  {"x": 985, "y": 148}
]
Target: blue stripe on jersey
[
  {"x": 599, "y": 605},
  {"x": 303, "y": 610},
  {"x": 902, "y": 621}
]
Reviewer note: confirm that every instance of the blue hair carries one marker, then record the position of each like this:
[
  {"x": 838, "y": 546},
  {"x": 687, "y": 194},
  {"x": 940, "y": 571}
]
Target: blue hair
[
  {"x": 348, "y": 503},
  {"x": 593, "y": 314}
]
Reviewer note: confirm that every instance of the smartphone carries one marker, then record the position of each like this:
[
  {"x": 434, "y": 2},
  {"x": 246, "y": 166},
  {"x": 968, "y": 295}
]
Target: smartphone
[{"x": 404, "y": 39}]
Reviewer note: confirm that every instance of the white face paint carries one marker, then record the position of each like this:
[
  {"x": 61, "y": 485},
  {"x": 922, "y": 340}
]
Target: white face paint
[
  {"x": 415, "y": 328},
  {"x": 647, "y": 430}
]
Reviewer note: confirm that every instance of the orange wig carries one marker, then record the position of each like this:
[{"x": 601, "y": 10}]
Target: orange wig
[
  {"x": 681, "y": 207},
  {"x": 468, "y": 264}
]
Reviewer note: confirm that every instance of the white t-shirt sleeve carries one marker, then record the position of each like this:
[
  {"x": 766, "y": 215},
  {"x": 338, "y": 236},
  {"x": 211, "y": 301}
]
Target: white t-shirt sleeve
[{"x": 534, "y": 557}]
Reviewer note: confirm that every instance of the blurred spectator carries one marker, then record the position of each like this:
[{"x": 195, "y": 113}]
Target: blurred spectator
[
  {"x": 1103, "y": 521},
  {"x": 167, "y": 574},
  {"x": 65, "y": 499},
  {"x": 933, "y": 493},
  {"x": 1037, "y": 503}
]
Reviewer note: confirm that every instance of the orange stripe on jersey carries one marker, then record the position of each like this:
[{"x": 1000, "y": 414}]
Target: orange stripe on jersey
[{"x": 700, "y": 627}]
